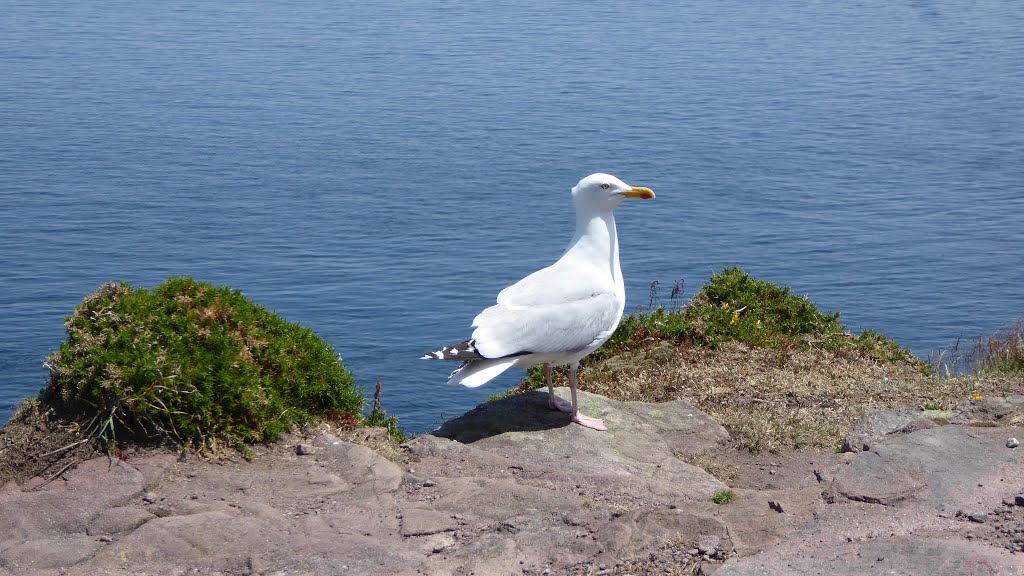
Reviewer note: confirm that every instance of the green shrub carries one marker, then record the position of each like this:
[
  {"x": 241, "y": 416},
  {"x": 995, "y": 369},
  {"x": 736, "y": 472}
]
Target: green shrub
[
  {"x": 732, "y": 306},
  {"x": 735, "y": 307},
  {"x": 194, "y": 364}
]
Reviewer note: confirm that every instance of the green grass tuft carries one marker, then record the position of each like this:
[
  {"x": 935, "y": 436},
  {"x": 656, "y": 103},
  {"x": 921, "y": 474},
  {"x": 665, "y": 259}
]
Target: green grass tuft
[
  {"x": 379, "y": 418},
  {"x": 1001, "y": 352},
  {"x": 196, "y": 365},
  {"x": 723, "y": 497}
]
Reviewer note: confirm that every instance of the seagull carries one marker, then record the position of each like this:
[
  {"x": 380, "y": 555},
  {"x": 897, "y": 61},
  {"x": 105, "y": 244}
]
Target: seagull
[{"x": 559, "y": 314}]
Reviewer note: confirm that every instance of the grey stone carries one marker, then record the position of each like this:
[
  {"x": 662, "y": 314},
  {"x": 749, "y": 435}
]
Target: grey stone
[
  {"x": 979, "y": 517},
  {"x": 909, "y": 556},
  {"x": 656, "y": 527},
  {"x": 153, "y": 468},
  {"x": 993, "y": 410},
  {"x": 362, "y": 467},
  {"x": 118, "y": 520},
  {"x": 956, "y": 463},
  {"x": 423, "y": 522},
  {"x": 615, "y": 536},
  {"x": 638, "y": 453},
  {"x": 708, "y": 544},
  {"x": 1012, "y": 443},
  {"x": 876, "y": 425},
  {"x": 707, "y": 568},
  {"x": 548, "y": 496},
  {"x": 48, "y": 553},
  {"x": 877, "y": 480},
  {"x": 67, "y": 507},
  {"x": 677, "y": 422}
]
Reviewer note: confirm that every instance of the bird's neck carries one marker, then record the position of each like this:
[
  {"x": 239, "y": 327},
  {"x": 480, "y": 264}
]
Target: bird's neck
[{"x": 597, "y": 241}]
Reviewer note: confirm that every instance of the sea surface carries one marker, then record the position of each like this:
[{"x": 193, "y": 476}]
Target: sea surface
[{"x": 378, "y": 171}]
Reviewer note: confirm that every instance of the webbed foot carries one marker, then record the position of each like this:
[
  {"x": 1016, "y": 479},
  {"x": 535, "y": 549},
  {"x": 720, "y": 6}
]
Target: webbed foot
[{"x": 588, "y": 422}]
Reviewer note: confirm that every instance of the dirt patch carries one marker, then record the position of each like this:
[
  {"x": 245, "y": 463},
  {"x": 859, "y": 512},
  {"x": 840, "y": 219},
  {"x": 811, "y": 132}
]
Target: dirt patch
[{"x": 38, "y": 444}]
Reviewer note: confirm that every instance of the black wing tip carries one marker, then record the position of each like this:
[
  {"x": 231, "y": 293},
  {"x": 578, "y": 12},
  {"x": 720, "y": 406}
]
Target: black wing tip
[{"x": 462, "y": 351}]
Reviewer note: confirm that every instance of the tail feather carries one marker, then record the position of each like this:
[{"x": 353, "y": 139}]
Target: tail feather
[
  {"x": 478, "y": 372},
  {"x": 461, "y": 351}
]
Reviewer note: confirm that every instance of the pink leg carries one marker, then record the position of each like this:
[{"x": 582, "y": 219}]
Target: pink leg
[
  {"x": 554, "y": 402},
  {"x": 585, "y": 421}
]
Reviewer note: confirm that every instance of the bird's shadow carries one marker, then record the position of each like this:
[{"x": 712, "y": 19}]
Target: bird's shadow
[{"x": 527, "y": 412}]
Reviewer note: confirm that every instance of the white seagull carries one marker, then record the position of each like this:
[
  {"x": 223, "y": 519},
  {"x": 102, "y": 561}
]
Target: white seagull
[{"x": 559, "y": 314}]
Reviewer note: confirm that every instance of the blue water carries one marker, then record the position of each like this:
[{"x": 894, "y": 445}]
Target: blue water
[{"x": 378, "y": 171}]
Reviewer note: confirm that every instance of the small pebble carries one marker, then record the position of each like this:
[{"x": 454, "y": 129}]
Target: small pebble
[
  {"x": 149, "y": 497},
  {"x": 303, "y": 449},
  {"x": 1019, "y": 500},
  {"x": 979, "y": 517},
  {"x": 106, "y": 538},
  {"x": 1012, "y": 443},
  {"x": 708, "y": 544}
]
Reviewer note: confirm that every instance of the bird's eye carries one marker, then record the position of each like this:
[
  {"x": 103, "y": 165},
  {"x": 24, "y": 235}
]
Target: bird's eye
[{"x": 605, "y": 186}]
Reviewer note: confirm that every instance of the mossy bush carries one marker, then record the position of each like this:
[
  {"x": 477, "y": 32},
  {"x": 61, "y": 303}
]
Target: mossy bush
[
  {"x": 736, "y": 307},
  {"x": 194, "y": 364}
]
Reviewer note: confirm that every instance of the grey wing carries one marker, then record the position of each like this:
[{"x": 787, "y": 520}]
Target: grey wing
[
  {"x": 562, "y": 326},
  {"x": 546, "y": 285}
]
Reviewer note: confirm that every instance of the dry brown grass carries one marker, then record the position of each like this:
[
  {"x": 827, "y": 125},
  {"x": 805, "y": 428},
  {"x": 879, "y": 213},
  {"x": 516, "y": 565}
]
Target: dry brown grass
[
  {"x": 36, "y": 443},
  {"x": 773, "y": 399},
  {"x": 1001, "y": 351}
]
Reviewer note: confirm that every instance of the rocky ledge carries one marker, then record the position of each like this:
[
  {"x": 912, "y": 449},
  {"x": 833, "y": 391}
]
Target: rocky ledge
[{"x": 512, "y": 488}]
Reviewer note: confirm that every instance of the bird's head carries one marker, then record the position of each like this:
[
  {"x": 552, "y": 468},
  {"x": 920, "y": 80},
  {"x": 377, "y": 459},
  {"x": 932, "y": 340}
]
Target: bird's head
[{"x": 603, "y": 192}]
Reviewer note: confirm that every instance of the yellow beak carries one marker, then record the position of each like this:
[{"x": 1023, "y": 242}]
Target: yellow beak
[{"x": 639, "y": 192}]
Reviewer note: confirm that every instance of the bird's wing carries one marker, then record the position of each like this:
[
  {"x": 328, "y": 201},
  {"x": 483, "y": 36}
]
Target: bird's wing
[
  {"x": 563, "y": 281},
  {"x": 554, "y": 310}
]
